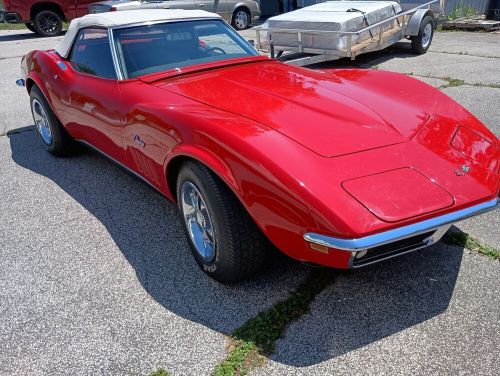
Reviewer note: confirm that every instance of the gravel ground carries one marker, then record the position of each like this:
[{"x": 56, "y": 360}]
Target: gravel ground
[{"x": 96, "y": 276}]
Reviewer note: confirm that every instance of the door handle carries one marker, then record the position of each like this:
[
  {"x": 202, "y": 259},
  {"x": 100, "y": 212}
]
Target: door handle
[
  {"x": 202, "y": 5},
  {"x": 138, "y": 141}
]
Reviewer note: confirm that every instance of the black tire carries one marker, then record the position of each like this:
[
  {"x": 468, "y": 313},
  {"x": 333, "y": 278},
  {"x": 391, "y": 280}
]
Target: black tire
[
  {"x": 48, "y": 23},
  {"x": 61, "y": 143},
  {"x": 421, "y": 43},
  {"x": 239, "y": 17},
  {"x": 239, "y": 243},
  {"x": 30, "y": 27}
]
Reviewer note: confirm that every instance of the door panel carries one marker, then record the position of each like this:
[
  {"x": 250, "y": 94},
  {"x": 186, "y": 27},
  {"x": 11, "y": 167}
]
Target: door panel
[
  {"x": 209, "y": 6},
  {"x": 148, "y": 134},
  {"x": 178, "y": 4},
  {"x": 91, "y": 94},
  {"x": 94, "y": 113}
]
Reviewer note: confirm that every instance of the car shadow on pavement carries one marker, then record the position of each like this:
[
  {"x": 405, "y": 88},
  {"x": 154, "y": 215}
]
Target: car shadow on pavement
[
  {"x": 399, "y": 50},
  {"x": 361, "y": 306}
]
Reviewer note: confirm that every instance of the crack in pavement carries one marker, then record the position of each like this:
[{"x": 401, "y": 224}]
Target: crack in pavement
[
  {"x": 10, "y": 57},
  {"x": 465, "y": 54}
]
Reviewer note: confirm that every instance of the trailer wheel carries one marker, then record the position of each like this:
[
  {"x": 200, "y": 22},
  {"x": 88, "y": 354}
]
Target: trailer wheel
[{"x": 421, "y": 42}]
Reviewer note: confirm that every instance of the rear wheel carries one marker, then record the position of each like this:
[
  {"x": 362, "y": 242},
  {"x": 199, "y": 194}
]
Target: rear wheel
[
  {"x": 224, "y": 240},
  {"x": 47, "y": 23},
  {"x": 421, "y": 42},
  {"x": 241, "y": 19},
  {"x": 54, "y": 137},
  {"x": 30, "y": 27}
]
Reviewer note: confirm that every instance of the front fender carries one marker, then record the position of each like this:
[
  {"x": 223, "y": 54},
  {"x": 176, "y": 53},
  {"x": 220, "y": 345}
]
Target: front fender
[{"x": 261, "y": 180}]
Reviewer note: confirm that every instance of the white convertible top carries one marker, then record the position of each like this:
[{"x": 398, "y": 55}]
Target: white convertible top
[{"x": 127, "y": 17}]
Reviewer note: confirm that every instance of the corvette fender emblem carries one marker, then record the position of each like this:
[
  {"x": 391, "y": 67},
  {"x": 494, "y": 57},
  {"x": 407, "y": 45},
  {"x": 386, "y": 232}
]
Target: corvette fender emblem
[{"x": 462, "y": 171}]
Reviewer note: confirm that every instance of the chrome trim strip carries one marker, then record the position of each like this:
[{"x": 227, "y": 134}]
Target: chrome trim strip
[
  {"x": 119, "y": 164},
  {"x": 114, "y": 56},
  {"x": 354, "y": 245},
  {"x": 146, "y": 23}
]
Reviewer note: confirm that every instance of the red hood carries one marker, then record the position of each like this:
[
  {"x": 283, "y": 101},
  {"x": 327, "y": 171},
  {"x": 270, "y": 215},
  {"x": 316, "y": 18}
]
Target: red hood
[{"x": 313, "y": 108}]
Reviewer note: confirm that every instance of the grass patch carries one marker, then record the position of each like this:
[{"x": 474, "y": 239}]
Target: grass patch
[
  {"x": 452, "y": 82},
  {"x": 464, "y": 240},
  {"x": 21, "y": 26},
  {"x": 160, "y": 372},
  {"x": 9, "y": 26},
  {"x": 257, "y": 337}
]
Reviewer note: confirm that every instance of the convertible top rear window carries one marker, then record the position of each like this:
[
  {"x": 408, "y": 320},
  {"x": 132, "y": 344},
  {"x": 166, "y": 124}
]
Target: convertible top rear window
[{"x": 154, "y": 48}]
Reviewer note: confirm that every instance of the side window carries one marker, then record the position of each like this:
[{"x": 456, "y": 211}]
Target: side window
[{"x": 91, "y": 54}]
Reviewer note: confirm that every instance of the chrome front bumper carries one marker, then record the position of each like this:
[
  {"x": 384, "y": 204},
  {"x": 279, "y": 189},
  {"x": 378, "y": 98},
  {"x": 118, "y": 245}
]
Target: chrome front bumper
[{"x": 434, "y": 228}]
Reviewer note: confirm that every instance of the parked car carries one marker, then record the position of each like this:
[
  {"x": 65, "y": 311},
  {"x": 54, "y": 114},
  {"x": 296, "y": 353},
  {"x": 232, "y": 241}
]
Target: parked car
[
  {"x": 341, "y": 168},
  {"x": 238, "y": 13},
  {"x": 44, "y": 17}
]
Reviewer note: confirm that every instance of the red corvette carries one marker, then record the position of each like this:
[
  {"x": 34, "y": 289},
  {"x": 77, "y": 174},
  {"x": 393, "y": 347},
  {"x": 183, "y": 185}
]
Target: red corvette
[{"x": 342, "y": 168}]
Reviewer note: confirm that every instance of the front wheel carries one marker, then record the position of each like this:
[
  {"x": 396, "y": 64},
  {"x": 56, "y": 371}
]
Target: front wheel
[
  {"x": 47, "y": 23},
  {"x": 224, "y": 240},
  {"x": 421, "y": 42},
  {"x": 241, "y": 19}
]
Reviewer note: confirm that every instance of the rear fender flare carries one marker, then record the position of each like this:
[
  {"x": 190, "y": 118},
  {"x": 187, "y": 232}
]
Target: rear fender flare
[
  {"x": 413, "y": 26},
  {"x": 35, "y": 79}
]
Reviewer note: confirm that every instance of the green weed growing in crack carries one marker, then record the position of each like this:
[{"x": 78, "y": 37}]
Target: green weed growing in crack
[
  {"x": 160, "y": 372},
  {"x": 452, "y": 82},
  {"x": 257, "y": 337},
  {"x": 464, "y": 240}
]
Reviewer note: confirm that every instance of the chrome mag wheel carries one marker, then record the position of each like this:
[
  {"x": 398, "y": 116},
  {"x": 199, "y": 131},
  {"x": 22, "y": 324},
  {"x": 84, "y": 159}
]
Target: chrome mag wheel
[
  {"x": 41, "y": 121},
  {"x": 198, "y": 221},
  {"x": 241, "y": 20}
]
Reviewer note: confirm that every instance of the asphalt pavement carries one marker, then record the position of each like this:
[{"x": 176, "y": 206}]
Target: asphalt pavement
[{"x": 96, "y": 276}]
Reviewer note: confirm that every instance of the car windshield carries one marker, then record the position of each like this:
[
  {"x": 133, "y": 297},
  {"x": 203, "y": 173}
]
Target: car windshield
[{"x": 154, "y": 48}]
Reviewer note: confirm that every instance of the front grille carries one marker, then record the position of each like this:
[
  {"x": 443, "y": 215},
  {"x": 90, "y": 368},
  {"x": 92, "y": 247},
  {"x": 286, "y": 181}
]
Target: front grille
[{"x": 393, "y": 249}]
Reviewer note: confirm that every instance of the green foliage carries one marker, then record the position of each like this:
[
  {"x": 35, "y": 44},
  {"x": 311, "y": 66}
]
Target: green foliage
[
  {"x": 9, "y": 26},
  {"x": 451, "y": 82},
  {"x": 460, "y": 11},
  {"x": 160, "y": 372},
  {"x": 21, "y": 26}
]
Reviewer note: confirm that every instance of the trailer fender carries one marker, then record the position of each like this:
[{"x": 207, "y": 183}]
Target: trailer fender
[{"x": 413, "y": 26}]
